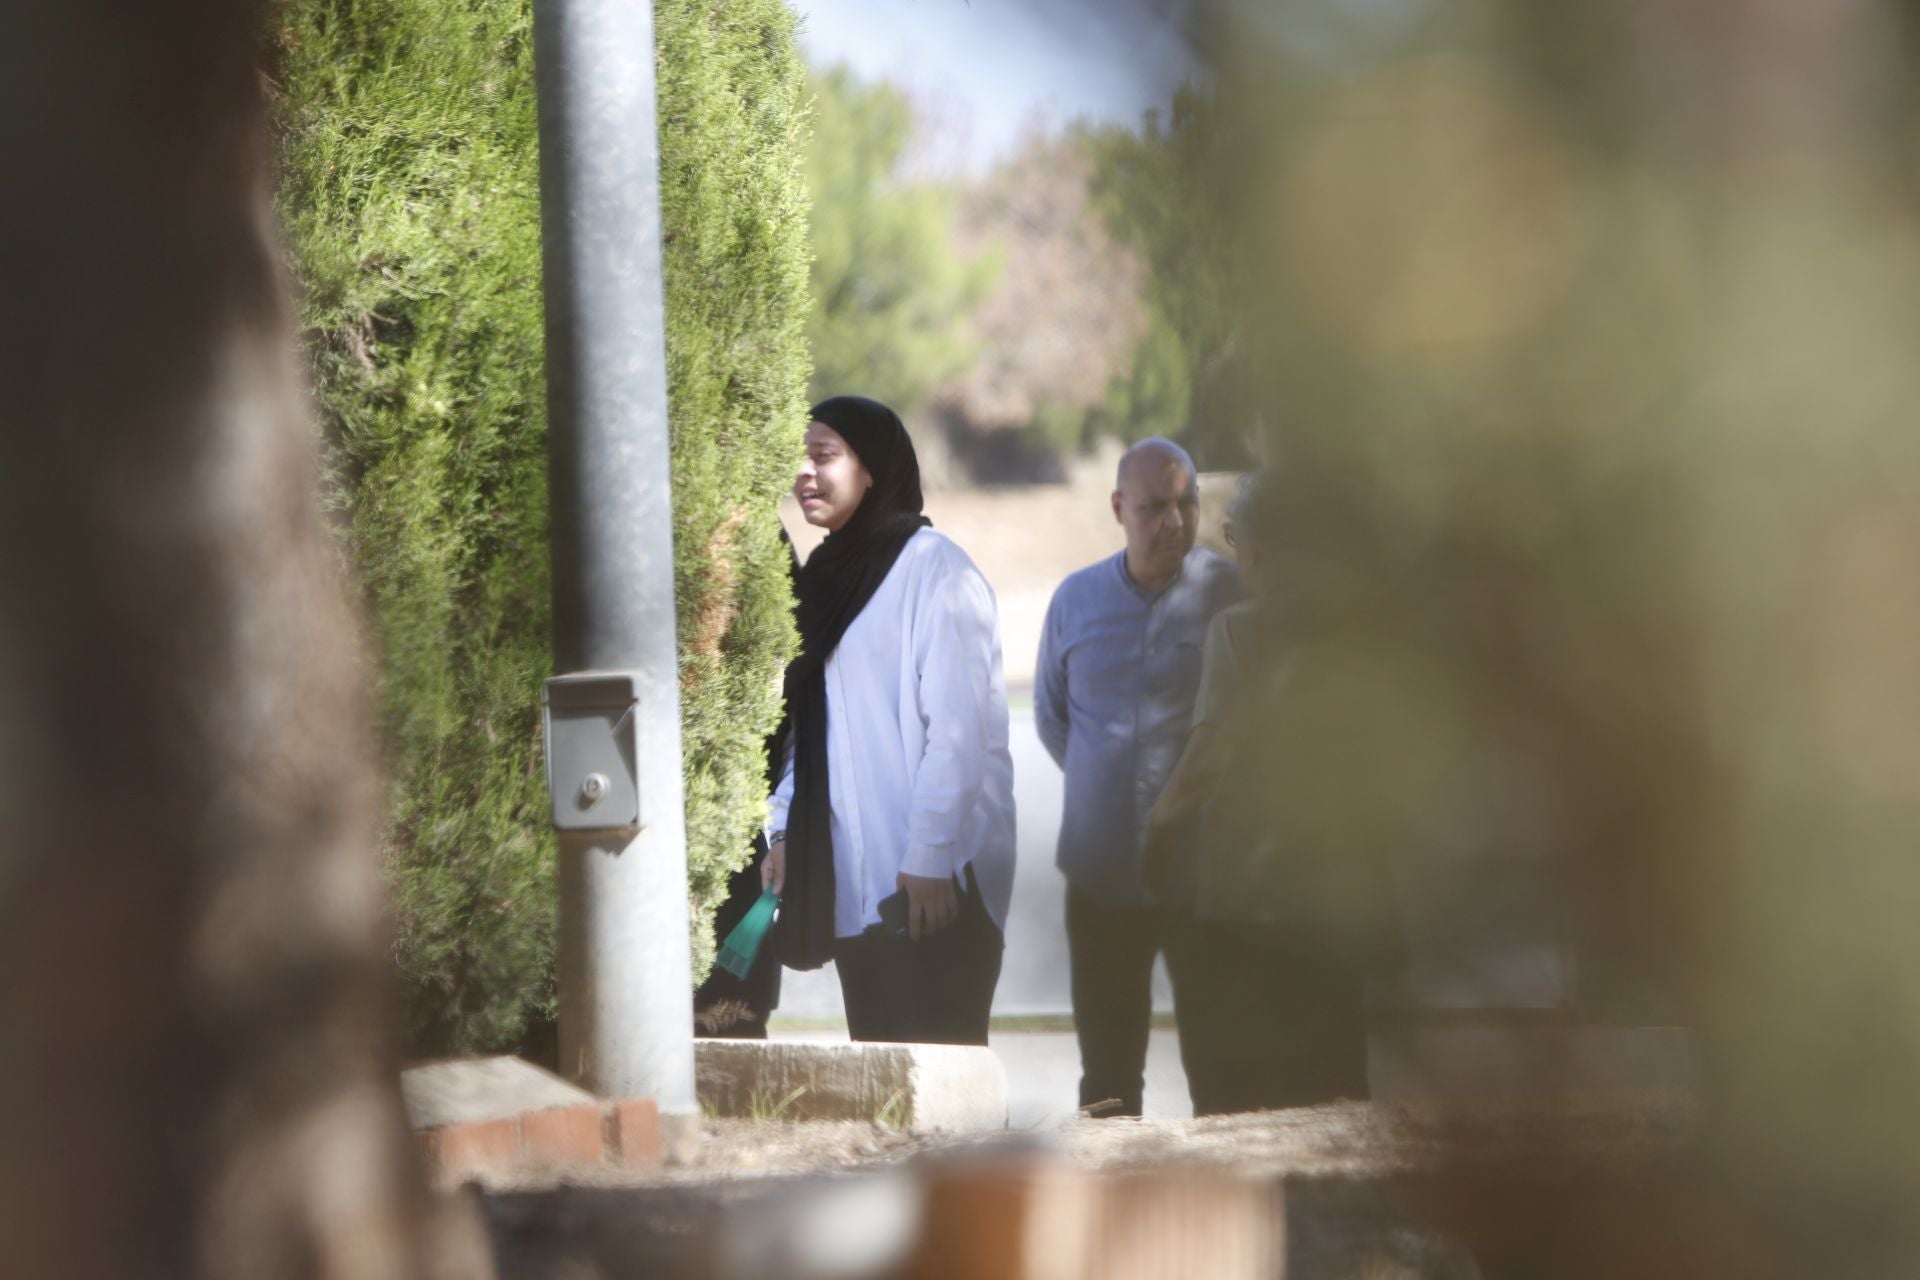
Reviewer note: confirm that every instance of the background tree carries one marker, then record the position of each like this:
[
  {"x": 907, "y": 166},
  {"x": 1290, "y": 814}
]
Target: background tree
[
  {"x": 892, "y": 296},
  {"x": 1159, "y": 189},
  {"x": 410, "y": 195},
  {"x": 1070, "y": 292},
  {"x": 1060, "y": 327}
]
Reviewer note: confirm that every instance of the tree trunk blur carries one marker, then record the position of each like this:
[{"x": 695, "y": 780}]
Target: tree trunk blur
[
  {"x": 197, "y": 1072},
  {"x": 1585, "y": 334}
]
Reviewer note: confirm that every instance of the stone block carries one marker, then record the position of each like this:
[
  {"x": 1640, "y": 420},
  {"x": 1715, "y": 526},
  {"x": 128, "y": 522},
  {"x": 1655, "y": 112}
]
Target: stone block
[
  {"x": 469, "y": 1090},
  {"x": 924, "y": 1087}
]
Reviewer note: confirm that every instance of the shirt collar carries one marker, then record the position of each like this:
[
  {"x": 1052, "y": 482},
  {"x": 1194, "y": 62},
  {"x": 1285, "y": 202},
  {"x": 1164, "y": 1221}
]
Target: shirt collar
[{"x": 1120, "y": 567}]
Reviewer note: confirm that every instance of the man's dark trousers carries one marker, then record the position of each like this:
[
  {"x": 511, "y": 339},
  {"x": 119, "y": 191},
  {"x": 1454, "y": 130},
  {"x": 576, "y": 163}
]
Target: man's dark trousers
[{"x": 1110, "y": 951}]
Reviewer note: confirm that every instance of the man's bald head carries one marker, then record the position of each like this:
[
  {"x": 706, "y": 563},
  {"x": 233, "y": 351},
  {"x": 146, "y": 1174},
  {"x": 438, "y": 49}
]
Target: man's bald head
[
  {"x": 1156, "y": 499},
  {"x": 1154, "y": 451}
]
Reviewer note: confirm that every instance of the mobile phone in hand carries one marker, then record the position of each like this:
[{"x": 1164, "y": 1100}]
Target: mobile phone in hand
[{"x": 893, "y": 915}]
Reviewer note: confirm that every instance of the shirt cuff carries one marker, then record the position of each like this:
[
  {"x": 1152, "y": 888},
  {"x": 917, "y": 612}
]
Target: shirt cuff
[{"x": 933, "y": 861}]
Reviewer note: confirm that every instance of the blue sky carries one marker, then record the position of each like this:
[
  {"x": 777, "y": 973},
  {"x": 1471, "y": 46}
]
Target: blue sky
[{"x": 986, "y": 69}]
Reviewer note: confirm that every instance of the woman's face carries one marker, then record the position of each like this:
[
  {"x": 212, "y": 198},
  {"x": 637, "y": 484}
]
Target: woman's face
[{"x": 832, "y": 481}]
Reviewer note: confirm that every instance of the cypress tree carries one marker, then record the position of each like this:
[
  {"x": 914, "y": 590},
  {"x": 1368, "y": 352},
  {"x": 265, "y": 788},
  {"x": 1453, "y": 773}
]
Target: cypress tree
[{"x": 409, "y": 196}]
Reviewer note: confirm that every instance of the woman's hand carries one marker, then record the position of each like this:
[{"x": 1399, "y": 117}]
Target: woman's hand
[
  {"x": 932, "y": 904},
  {"x": 773, "y": 868}
]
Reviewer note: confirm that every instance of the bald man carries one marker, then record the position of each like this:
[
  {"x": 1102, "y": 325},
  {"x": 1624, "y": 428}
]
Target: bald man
[{"x": 1114, "y": 689}]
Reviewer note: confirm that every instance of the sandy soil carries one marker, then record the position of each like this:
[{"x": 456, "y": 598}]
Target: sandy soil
[{"x": 762, "y": 1193}]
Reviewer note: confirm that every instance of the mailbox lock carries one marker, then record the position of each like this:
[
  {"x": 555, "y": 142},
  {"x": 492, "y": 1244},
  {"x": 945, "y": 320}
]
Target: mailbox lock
[{"x": 594, "y": 787}]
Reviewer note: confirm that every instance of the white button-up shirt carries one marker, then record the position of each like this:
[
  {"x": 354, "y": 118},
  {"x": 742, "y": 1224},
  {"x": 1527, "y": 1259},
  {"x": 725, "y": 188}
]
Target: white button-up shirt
[{"x": 919, "y": 774}]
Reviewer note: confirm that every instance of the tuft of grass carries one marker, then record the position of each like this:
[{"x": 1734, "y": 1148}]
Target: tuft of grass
[
  {"x": 894, "y": 1114},
  {"x": 762, "y": 1106}
]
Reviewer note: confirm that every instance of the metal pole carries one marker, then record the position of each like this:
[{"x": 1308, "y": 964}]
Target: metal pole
[{"x": 625, "y": 989}]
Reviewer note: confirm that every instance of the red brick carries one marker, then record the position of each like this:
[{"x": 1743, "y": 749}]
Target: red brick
[
  {"x": 633, "y": 1132},
  {"x": 463, "y": 1150},
  {"x": 562, "y": 1136}
]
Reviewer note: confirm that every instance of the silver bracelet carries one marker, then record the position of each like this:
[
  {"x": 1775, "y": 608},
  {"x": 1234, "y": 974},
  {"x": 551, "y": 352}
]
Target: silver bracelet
[{"x": 775, "y": 837}]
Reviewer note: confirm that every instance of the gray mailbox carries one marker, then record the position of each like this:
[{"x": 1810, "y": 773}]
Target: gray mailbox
[{"x": 593, "y": 751}]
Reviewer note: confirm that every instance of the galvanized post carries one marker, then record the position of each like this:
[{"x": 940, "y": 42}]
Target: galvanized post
[{"x": 625, "y": 989}]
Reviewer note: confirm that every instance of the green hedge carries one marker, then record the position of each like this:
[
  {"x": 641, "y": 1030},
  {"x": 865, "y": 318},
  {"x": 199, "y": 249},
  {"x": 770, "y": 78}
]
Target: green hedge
[{"x": 409, "y": 199}]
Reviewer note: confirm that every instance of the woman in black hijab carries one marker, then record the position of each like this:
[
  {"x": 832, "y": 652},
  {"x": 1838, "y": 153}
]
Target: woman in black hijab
[{"x": 892, "y": 834}]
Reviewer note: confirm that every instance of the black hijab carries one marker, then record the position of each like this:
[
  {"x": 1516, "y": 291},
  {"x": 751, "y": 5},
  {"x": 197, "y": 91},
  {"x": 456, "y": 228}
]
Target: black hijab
[{"x": 830, "y": 590}]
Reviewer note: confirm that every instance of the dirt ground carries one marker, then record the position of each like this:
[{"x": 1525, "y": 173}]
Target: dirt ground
[
  {"x": 1341, "y": 1185},
  {"x": 1344, "y": 1139}
]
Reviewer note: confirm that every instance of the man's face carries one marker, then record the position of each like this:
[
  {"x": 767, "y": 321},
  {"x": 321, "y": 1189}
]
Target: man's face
[{"x": 1159, "y": 508}]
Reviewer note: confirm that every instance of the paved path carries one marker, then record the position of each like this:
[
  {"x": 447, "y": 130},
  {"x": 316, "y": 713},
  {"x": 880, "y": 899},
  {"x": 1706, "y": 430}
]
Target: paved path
[
  {"x": 1043, "y": 1074},
  {"x": 1043, "y": 1067},
  {"x": 1043, "y": 1077}
]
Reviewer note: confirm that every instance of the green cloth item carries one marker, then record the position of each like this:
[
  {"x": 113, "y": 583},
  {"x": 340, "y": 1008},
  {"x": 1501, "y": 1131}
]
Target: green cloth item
[{"x": 743, "y": 944}]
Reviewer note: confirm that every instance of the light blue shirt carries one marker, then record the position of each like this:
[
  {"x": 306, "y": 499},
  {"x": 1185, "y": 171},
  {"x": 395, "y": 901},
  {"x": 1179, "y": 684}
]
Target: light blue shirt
[{"x": 1114, "y": 688}]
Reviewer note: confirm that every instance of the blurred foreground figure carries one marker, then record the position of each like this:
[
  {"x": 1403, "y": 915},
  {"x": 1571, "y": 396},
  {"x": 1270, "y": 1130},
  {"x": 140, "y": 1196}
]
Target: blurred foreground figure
[
  {"x": 197, "y": 1075},
  {"x": 1271, "y": 1012},
  {"x": 1113, "y": 696},
  {"x": 1594, "y": 326}
]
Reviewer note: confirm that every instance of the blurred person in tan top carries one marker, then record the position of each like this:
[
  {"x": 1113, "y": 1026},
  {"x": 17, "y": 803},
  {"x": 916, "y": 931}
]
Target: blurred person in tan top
[{"x": 1273, "y": 959}]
